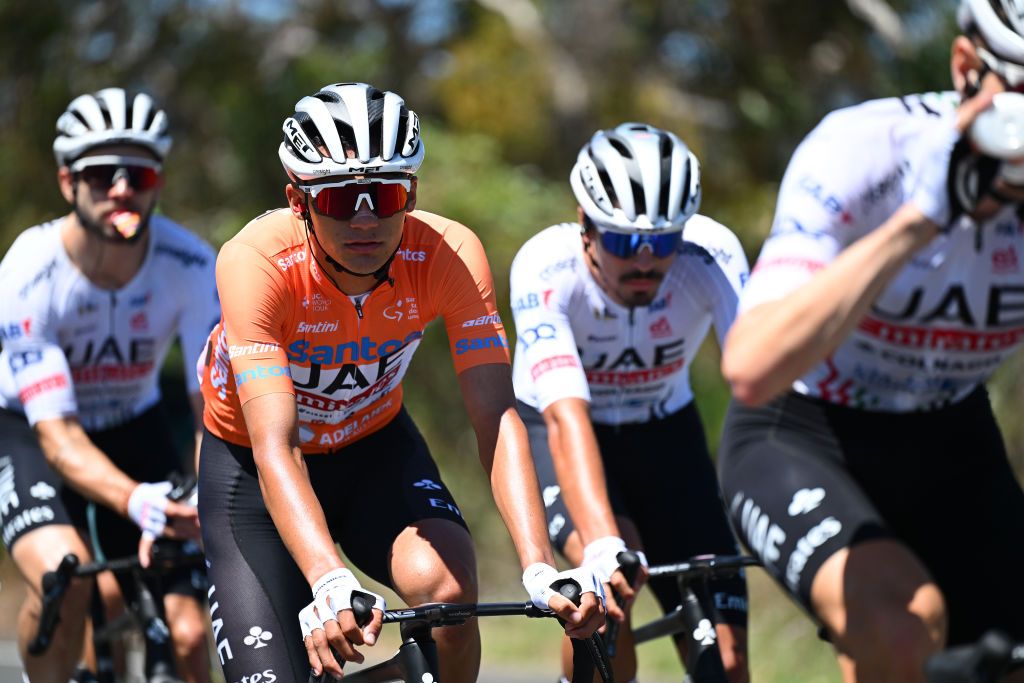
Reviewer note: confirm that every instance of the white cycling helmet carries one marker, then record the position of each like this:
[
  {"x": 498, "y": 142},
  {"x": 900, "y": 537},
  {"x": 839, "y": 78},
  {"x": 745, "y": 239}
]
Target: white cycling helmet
[
  {"x": 1000, "y": 23},
  {"x": 350, "y": 129},
  {"x": 637, "y": 178},
  {"x": 110, "y": 116}
]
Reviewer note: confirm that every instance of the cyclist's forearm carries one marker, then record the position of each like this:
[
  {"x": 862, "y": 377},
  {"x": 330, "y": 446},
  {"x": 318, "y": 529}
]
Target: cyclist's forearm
[
  {"x": 775, "y": 343},
  {"x": 70, "y": 452},
  {"x": 580, "y": 471},
  {"x": 515, "y": 488},
  {"x": 296, "y": 511}
]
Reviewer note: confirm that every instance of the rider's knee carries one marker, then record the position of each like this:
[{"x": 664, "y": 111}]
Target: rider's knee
[
  {"x": 188, "y": 634},
  {"x": 902, "y": 637},
  {"x": 75, "y": 604},
  {"x": 452, "y": 585},
  {"x": 438, "y": 581}
]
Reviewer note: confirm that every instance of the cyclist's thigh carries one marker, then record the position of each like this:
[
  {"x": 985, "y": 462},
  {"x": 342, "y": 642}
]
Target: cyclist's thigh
[
  {"x": 41, "y": 549},
  {"x": 665, "y": 473},
  {"x": 30, "y": 491},
  {"x": 952, "y": 496},
  {"x": 144, "y": 449},
  {"x": 788, "y": 492},
  {"x": 256, "y": 590},
  {"x": 391, "y": 483}
]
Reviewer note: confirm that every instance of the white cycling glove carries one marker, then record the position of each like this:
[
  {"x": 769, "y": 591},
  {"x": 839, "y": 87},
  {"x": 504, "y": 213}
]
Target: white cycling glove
[
  {"x": 538, "y": 577},
  {"x": 601, "y": 556},
  {"x": 147, "y": 507},
  {"x": 931, "y": 159},
  {"x": 332, "y": 593}
]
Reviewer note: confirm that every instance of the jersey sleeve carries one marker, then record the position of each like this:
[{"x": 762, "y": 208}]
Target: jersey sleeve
[
  {"x": 200, "y": 313},
  {"x": 544, "y": 336},
  {"x": 727, "y": 274},
  {"x": 38, "y": 366},
  {"x": 253, "y": 304},
  {"x": 812, "y": 221},
  {"x": 465, "y": 292}
]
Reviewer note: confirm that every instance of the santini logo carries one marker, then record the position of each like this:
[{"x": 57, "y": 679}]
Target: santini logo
[
  {"x": 289, "y": 261},
  {"x": 317, "y": 328},
  {"x": 494, "y": 319}
]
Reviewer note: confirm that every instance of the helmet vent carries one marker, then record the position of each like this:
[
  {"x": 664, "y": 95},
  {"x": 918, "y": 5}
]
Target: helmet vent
[
  {"x": 107, "y": 121},
  {"x": 606, "y": 182},
  {"x": 620, "y": 147},
  {"x": 327, "y": 96},
  {"x": 639, "y": 203}
]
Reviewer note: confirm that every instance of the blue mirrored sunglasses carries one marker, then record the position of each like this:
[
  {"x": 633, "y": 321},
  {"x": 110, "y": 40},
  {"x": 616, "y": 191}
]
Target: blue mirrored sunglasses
[{"x": 624, "y": 245}]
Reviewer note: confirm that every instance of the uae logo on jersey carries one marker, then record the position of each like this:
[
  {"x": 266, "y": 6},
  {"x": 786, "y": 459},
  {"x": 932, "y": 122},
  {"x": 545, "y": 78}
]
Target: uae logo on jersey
[{"x": 661, "y": 328}]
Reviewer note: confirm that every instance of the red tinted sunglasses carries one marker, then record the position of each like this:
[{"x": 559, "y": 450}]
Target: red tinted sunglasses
[
  {"x": 101, "y": 172},
  {"x": 383, "y": 196}
]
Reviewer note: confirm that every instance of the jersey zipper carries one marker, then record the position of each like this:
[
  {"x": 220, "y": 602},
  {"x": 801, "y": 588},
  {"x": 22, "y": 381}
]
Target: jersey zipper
[
  {"x": 360, "y": 304},
  {"x": 113, "y": 305}
]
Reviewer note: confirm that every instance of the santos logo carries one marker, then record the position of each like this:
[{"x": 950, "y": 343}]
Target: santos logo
[
  {"x": 464, "y": 345},
  {"x": 267, "y": 676},
  {"x": 364, "y": 349},
  {"x": 410, "y": 255}
]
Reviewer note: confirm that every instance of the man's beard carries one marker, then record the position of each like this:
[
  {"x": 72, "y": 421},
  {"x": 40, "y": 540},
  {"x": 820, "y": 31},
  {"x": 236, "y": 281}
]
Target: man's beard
[
  {"x": 633, "y": 298},
  {"x": 114, "y": 237}
]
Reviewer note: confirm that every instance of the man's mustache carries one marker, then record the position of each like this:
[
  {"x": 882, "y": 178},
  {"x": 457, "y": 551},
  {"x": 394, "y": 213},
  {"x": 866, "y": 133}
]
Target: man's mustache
[{"x": 640, "y": 275}]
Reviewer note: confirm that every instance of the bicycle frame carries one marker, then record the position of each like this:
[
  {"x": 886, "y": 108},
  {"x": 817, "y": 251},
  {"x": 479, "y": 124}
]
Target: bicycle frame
[
  {"x": 143, "y": 607},
  {"x": 694, "y": 616}
]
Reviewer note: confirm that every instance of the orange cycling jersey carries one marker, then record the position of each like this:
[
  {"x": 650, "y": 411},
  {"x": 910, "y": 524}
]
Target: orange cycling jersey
[{"x": 285, "y": 327}]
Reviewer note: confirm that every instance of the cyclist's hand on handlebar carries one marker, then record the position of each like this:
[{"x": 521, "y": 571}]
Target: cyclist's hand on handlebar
[
  {"x": 157, "y": 515},
  {"x": 328, "y": 622},
  {"x": 601, "y": 556},
  {"x": 539, "y": 580}
]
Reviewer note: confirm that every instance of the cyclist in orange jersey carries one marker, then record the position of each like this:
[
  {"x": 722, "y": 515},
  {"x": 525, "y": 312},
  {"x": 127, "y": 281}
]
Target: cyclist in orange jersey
[{"x": 324, "y": 303}]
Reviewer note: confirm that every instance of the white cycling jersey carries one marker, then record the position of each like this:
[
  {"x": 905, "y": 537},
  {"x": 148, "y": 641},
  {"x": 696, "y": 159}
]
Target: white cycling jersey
[
  {"x": 631, "y": 364},
  {"x": 72, "y": 348},
  {"x": 948, "y": 319}
]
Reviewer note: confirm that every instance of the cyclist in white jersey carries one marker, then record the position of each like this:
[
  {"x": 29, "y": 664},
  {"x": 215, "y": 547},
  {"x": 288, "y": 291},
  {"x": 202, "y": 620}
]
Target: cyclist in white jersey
[
  {"x": 89, "y": 306},
  {"x": 609, "y": 314},
  {"x": 877, "y": 489}
]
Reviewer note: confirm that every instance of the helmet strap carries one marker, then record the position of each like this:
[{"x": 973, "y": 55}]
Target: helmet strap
[{"x": 971, "y": 87}]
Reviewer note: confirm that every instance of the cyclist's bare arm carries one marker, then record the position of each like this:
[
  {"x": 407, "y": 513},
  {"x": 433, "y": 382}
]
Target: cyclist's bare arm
[
  {"x": 774, "y": 343},
  {"x": 273, "y": 424},
  {"x": 581, "y": 477},
  {"x": 505, "y": 455},
  {"x": 577, "y": 461},
  {"x": 73, "y": 455}
]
